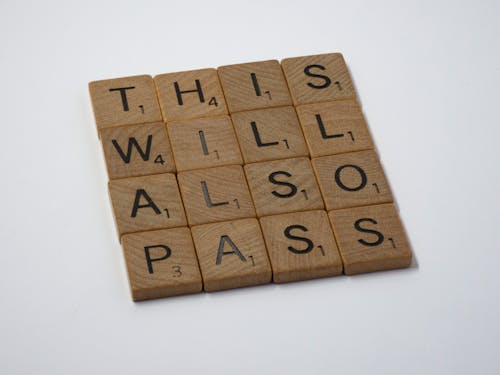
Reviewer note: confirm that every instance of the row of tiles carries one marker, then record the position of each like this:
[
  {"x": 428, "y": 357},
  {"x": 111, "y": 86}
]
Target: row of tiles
[
  {"x": 281, "y": 248},
  {"x": 249, "y": 137},
  {"x": 257, "y": 189},
  {"x": 212, "y": 92}
]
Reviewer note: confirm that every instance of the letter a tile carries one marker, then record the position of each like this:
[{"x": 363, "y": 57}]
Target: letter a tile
[
  {"x": 145, "y": 203},
  {"x": 232, "y": 254}
]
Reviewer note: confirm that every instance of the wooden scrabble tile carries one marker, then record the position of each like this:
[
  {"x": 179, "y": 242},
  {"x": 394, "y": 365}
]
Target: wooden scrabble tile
[
  {"x": 190, "y": 94},
  {"x": 371, "y": 238},
  {"x": 124, "y": 101},
  {"x": 161, "y": 263},
  {"x": 352, "y": 179},
  {"x": 269, "y": 134},
  {"x": 215, "y": 194},
  {"x": 204, "y": 142},
  {"x": 137, "y": 150},
  {"x": 254, "y": 85},
  {"x": 232, "y": 254},
  {"x": 145, "y": 203},
  {"x": 283, "y": 186},
  {"x": 318, "y": 78},
  {"x": 334, "y": 127},
  {"x": 301, "y": 246}
]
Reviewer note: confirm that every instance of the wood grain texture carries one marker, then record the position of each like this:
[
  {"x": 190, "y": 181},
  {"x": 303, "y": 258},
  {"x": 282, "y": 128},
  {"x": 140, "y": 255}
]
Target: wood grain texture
[
  {"x": 371, "y": 239},
  {"x": 301, "y": 246},
  {"x": 352, "y": 179},
  {"x": 282, "y": 186},
  {"x": 190, "y": 94},
  {"x": 146, "y": 203},
  {"x": 261, "y": 150},
  {"x": 161, "y": 263},
  {"x": 318, "y": 78},
  {"x": 254, "y": 85},
  {"x": 137, "y": 150},
  {"x": 204, "y": 143},
  {"x": 334, "y": 127},
  {"x": 231, "y": 254},
  {"x": 215, "y": 194},
  {"x": 124, "y": 101},
  {"x": 269, "y": 134}
]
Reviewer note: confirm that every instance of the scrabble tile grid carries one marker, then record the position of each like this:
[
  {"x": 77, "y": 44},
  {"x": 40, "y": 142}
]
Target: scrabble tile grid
[{"x": 308, "y": 197}]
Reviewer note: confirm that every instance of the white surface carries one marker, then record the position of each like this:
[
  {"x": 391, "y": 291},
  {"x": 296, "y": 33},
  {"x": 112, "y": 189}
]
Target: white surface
[{"x": 428, "y": 76}]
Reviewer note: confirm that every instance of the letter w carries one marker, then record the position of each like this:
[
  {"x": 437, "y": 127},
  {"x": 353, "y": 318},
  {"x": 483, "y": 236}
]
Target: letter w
[{"x": 132, "y": 142}]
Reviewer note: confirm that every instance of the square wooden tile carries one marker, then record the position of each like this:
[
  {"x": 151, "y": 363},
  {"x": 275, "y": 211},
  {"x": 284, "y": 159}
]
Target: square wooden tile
[
  {"x": 145, "y": 203},
  {"x": 283, "y": 186},
  {"x": 124, "y": 101},
  {"x": 231, "y": 254},
  {"x": 318, "y": 78},
  {"x": 137, "y": 150},
  {"x": 334, "y": 127},
  {"x": 352, "y": 179},
  {"x": 204, "y": 142},
  {"x": 301, "y": 246},
  {"x": 254, "y": 85},
  {"x": 190, "y": 94},
  {"x": 371, "y": 239},
  {"x": 161, "y": 263},
  {"x": 269, "y": 134},
  {"x": 215, "y": 194}
]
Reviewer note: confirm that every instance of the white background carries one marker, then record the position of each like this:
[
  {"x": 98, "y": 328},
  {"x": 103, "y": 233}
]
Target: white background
[{"x": 428, "y": 76}]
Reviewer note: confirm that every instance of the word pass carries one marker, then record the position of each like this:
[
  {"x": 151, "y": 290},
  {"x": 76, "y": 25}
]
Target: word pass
[{"x": 244, "y": 175}]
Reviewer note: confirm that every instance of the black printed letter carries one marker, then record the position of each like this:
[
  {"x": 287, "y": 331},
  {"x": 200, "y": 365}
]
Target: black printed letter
[
  {"x": 293, "y": 188},
  {"x": 208, "y": 200},
  {"x": 256, "y": 86},
  {"x": 221, "y": 252},
  {"x": 142, "y": 193},
  {"x": 380, "y": 236},
  {"x": 258, "y": 139},
  {"x": 123, "y": 94},
  {"x": 322, "y": 129},
  {"x": 132, "y": 142},
  {"x": 150, "y": 260},
  {"x": 361, "y": 172},
  {"x": 198, "y": 89},
  {"x": 307, "y": 71},
  {"x": 310, "y": 244}
]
